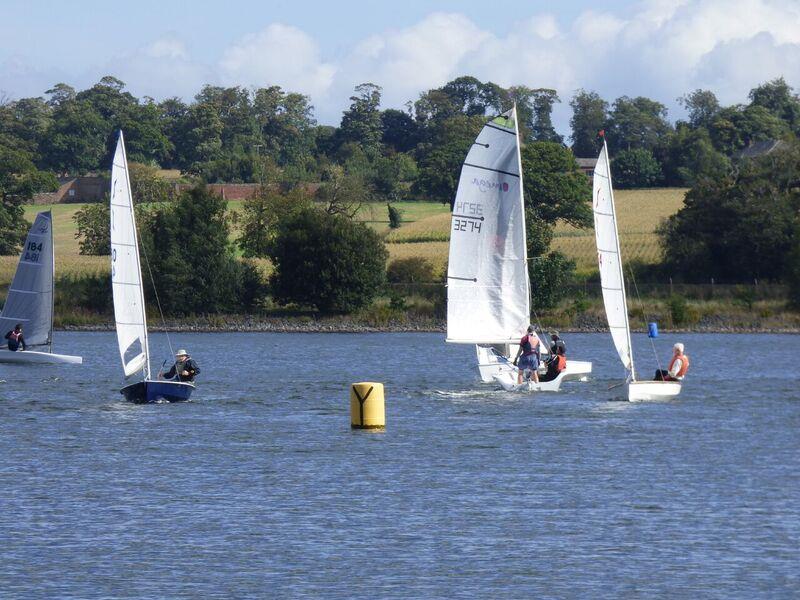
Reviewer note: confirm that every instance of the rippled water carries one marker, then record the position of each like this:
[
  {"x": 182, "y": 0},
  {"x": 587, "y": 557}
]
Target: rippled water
[{"x": 259, "y": 488}]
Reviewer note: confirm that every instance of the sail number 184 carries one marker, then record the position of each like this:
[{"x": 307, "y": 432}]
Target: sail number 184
[{"x": 33, "y": 252}]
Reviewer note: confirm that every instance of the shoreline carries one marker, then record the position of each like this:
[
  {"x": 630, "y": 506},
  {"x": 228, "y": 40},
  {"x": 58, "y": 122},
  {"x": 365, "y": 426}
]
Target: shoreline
[{"x": 347, "y": 325}]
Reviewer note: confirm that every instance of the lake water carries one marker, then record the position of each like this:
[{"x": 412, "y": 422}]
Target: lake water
[{"x": 259, "y": 488}]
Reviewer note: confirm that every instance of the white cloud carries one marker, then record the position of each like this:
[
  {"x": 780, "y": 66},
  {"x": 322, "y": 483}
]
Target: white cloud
[{"x": 278, "y": 55}]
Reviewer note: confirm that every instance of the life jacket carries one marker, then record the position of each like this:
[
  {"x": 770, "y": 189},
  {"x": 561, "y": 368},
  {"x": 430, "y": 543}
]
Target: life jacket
[
  {"x": 527, "y": 347},
  {"x": 684, "y": 365},
  {"x": 14, "y": 335},
  {"x": 561, "y": 363}
]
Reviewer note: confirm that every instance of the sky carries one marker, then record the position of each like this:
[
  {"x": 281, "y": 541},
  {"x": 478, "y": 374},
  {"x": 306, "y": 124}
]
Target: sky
[{"x": 661, "y": 49}]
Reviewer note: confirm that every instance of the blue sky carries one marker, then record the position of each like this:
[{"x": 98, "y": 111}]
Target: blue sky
[{"x": 657, "y": 48}]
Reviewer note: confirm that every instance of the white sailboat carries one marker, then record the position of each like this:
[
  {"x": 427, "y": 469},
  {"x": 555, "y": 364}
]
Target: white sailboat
[
  {"x": 128, "y": 291},
  {"x": 30, "y": 298},
  {"x": 613, "y": 285},
  {"x": 488, "y": 288}
]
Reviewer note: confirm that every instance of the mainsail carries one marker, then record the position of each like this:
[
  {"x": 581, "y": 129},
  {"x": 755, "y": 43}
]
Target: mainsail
[
  {"x": 488, "y": 291},
  {"x": 126, "y": 272},
  {"x": 30, "y": 297},
  {"x": 610, "y": 260}
]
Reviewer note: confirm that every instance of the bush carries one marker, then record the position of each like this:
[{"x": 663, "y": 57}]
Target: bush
[
  {"x": 192, "y": 262},
  {"x": 92, "y": 223},
  {"x": 327, "y": 261},
  {"x": 678, "y": 310},
  {"x": 410, "y": 270},
  {"x": 395, "y": 216},
  {"x": 549, "y": 276},
  {"x": 635, "y": 168}
]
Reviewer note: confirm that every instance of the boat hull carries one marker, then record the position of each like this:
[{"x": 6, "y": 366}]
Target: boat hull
[
  {"x": 508, "y": 381},
  {"x": 34, "y": 357},
  {"x": 494, "y": 364},
  {"x": 150, "y": 391},
  {"x": 638, "y": 391}
]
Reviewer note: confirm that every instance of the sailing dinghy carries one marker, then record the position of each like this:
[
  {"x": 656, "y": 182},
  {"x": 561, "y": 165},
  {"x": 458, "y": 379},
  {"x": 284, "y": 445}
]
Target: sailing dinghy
[
  {"x": 613, "y": 285},
  {"x": 126, "y": 283},
  {"x": 30, "y": 298},
  {"x": 488, "y": 288}
]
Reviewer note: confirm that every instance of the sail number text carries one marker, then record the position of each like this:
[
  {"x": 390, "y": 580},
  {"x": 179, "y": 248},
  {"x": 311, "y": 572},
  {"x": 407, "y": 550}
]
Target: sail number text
[
  {"x": 468, "y": 216},
  {"x": 33, "y": 252}
]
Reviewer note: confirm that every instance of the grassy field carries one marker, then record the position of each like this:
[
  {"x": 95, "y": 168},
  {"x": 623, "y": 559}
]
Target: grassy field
[{"x": 425, "y": 232}]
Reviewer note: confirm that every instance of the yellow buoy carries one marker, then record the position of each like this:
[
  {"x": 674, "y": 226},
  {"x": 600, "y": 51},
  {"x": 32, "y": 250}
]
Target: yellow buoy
[{"x": 366, "y": 406}]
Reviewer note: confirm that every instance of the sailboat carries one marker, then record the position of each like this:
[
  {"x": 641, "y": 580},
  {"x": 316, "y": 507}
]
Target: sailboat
[
  {"x": 30, "y": 298},
  {"x": 488, "y": 288},
  {"x": 128, "y": 292},
  {"x": 612, "y": 282}
]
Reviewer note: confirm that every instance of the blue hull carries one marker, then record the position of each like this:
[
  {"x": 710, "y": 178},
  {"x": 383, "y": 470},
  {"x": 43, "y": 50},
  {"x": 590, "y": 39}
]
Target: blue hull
[{"x": 144, "y": 392}]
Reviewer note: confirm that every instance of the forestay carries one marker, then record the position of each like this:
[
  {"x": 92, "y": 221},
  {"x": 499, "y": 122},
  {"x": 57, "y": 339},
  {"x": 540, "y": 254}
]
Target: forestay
[
  {"x": 30, "y": 297},
  {"x": 126, "y": 273},
  {"x": 610, "y": 260},
  {"x": 488, "y": 292}
]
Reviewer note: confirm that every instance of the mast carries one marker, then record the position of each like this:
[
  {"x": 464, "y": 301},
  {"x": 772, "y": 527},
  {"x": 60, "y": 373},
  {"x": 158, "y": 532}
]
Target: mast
[
  {"x": 145, "y": 342},
  {"x": 522, "y": 204},
  {"x": 52, "y": 282},
  {"x": 619, "y": 255}
]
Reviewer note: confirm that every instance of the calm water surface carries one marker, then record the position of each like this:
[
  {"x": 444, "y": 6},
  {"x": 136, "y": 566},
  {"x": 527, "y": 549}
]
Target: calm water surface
[{"x": 258, "y": 487}]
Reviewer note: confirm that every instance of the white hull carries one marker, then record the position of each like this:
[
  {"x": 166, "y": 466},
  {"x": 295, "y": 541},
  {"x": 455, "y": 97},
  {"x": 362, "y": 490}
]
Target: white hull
[
  {"x": 637, "y": 391},
  {"x": 34, "y": 357},
  {"x": 492, "y": 365},
  {"x": 508, "y": 381}
]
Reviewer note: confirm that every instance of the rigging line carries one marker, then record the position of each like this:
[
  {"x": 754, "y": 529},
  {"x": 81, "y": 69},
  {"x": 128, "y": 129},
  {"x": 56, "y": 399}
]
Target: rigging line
[
  {"x": 158, "y": 302},
  {"x": 644, "y": 314}
]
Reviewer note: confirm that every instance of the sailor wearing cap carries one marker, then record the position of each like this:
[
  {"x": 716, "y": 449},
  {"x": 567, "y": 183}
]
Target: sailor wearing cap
[{"x": 184, "y": 369}]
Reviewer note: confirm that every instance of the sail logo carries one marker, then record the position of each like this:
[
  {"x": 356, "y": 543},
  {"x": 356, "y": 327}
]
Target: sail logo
[{"x": 489, "y": 186}]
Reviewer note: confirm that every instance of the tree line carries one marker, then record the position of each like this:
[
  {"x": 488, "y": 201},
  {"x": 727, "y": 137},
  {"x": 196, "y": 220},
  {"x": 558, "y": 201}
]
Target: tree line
[{"x": 270, "y": 136}]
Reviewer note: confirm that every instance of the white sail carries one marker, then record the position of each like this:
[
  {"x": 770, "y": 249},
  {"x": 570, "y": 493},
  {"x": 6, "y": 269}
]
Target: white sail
[
  {"x": 126, "y": 272},
  {"x": 488, "y": 291},
  {"x": 610, "y": 260},
  {"x": 30, "y": 297}
]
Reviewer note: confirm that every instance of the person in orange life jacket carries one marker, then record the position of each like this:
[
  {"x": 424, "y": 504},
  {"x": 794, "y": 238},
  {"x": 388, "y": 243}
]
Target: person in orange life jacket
[
  {"x": 529, "y": 349},
  {"x": 15, "y": 339},
  {"x": 185, "y": 368},
  {"x": 677, "y": 366},
  {"x": 556, "y": 364}
]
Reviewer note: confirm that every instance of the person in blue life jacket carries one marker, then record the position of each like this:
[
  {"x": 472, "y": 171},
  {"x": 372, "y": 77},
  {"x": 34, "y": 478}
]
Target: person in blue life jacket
[
  {"x": 15, "y": 339},
  {"x": 184, "y": 369},
  {"x": 527, "y": 358}
]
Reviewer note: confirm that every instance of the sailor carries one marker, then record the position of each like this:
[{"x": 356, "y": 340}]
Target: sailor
[
  {"x": 557, "y": 343},
  {"x": 677, "y": 366},
  {"x": 556, "y": 364},
  {"x": 15, "y": 339},
  {"x": 185, "y": 368},
  {"x": 529, "y": 349}
]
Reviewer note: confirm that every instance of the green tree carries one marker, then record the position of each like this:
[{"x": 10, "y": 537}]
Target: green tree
[
  {"x": 589, "y": 115},
  {"x": 543, "y": 130},
  {"x": 636, "y": 168},
  {"x": 93, "y": 229},
  {"x": 636, "y": 123},
  {"x": 555, "y": 187},
  {"x": 702, "y": 106},
  {"x": 400, "y": 131},
  {"x": 687, "y": 155},
  {"x": 192, "y": 260},
  {"x": 328, "y": 262},
  {"x": 737, "y": 227},
  {"x": 440, "y": 159},
  {"x": 19, "y": 181},
  {"x": 361, "y": 123},
  {"x": 263, "y": 214},
  {"x": 778, "y": 98}
]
